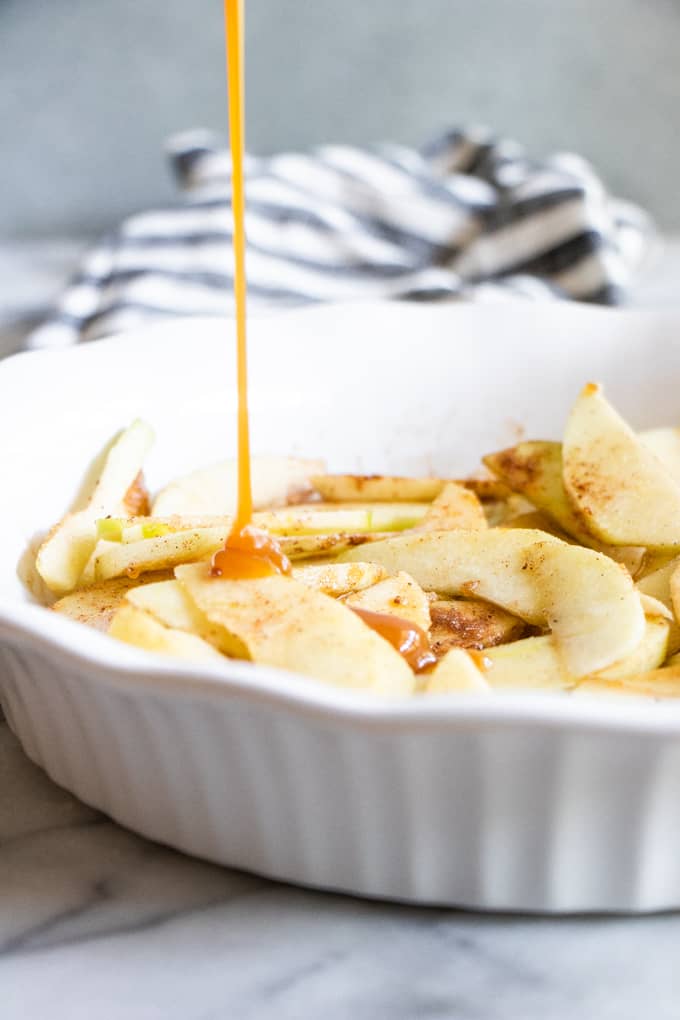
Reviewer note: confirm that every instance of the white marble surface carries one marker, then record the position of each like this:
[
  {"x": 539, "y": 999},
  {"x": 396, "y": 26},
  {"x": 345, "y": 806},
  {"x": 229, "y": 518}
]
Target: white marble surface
[{"x": 98, "y": 923}]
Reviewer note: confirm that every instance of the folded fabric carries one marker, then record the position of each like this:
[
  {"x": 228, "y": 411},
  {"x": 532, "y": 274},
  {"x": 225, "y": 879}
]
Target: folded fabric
[{"x": 467, "y": 217}]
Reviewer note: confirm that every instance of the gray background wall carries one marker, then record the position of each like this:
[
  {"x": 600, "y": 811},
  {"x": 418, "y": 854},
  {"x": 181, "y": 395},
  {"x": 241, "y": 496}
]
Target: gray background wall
[{"x": 90, "y": 88}]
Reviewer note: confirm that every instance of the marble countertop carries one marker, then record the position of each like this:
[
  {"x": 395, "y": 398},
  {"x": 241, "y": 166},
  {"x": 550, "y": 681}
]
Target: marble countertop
[{"x": 96, "y": 922}]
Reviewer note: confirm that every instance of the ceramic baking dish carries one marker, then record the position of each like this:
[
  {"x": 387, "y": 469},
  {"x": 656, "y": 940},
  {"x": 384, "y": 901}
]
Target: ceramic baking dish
[{"x": 528, "y": 801}]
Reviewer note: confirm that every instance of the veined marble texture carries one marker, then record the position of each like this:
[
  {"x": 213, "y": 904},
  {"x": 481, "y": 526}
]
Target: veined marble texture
[{"x": 99, "y": 924}]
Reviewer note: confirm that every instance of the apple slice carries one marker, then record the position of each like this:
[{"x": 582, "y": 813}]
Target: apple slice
[
  {"x": 169, "y": 604},
  {"x": 314, "y": 519},
  {"x": 95, "y": 606},
  {"x": 481, "y": 564},
  {"x": 132, "y": 559},
  {"x": 281, "y": 622},
  {"x": 213, "y": 490},
  {"x": 535, "y": 470},
  {"x": 657, "y": 585},
  {"x": 376, "y": 488},
  {"x": 338, "y": 578},
  {"x": 649, "y": 654},
  {"x": 587, "y": 599},
  {"x": 530, "y": 663},
  {"x": 138, "y": 628},
  {"x": 536, "y": 520},
  {"x": 623, "y": 491},
  {"x": 665, "y": 445},
  {"x": 589, "y": 603},
  {"x": 456, "y": 673},
  {"x": 133, "y": 547},
  {"x": 66, "y": 550},
  {"x": 470, "y": 623},
  {"x": 306, "y": 547},
  {"x": 537, "y": 663},
  {"x": 670, "y": 575},
  {"x": 397, "y": 596},
  {"x": 309, "y": 520},
  {"x": 454, "y": 507},
  {"x": 655, "y": 607},
  {"x": 655, "y": 683}
]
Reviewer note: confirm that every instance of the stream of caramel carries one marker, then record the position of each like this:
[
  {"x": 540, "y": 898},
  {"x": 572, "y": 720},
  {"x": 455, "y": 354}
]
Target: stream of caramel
[{"x": 248, "y": 552}]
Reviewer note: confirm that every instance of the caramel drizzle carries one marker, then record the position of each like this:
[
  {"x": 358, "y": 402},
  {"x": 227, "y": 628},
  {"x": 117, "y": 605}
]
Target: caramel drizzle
[
  {"x": 407, "y": 638},
  {"x": 247, "y": 552}
]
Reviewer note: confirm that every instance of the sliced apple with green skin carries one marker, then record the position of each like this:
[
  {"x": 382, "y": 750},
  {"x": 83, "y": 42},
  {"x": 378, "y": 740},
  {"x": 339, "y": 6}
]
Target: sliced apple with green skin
[
  {"x": 455, "y": 673},
  {"x": 535, "y": 470},
  {"x": 395, "y": 596},
  {"x": 283, "y": 623},
  {"x": 308, "y": 520},
  {"x": 135, "y": 627},
  {"x": 133, "y": 547},
  {"x": 213, "y": 490},
  {"x": 624, "y": 493},
  {"x": 65, "y": 552},
  {"x": 283, "y": 521},
  {"x": 587, "y": 599},
  {"x": 119, "y": 530},
  {"x": 133, "y": 559}
]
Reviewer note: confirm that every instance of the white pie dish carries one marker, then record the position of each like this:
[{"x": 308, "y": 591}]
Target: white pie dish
[{"x": 523, "y": 801}]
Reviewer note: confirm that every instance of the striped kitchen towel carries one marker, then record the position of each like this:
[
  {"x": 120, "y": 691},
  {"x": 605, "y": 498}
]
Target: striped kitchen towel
[{"x": 469, "y": 216}]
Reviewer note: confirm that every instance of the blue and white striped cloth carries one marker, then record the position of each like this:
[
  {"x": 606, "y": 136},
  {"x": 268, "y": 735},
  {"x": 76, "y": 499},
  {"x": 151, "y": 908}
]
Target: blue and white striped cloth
[{"x": 467, "y": 217}]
